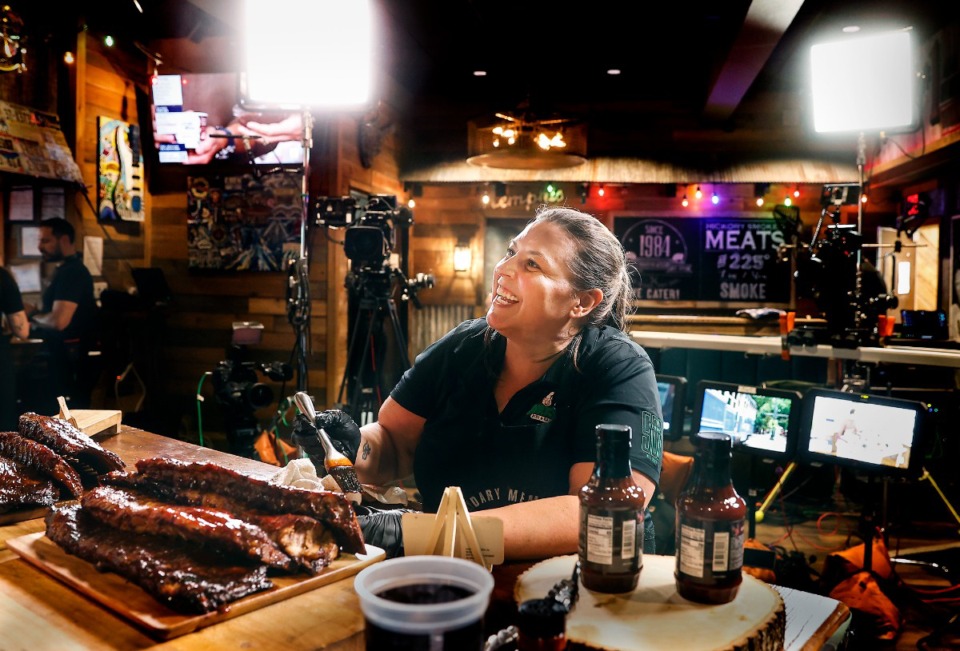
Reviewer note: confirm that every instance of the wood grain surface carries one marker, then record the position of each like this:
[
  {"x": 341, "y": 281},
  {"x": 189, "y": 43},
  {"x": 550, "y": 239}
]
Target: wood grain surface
[{"x": 136, "y": 605}]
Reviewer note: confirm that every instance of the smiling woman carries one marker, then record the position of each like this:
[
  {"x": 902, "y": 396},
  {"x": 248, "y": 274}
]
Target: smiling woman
[{"x": 506, "y": 406}]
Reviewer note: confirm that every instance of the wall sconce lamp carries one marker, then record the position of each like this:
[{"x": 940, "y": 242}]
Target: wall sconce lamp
[{"x": 462, "y": 257}]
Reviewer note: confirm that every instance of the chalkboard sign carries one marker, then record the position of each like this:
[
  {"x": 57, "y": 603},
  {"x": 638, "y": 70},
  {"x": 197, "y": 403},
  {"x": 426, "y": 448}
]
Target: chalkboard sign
[{"x": 722, "y": 259}]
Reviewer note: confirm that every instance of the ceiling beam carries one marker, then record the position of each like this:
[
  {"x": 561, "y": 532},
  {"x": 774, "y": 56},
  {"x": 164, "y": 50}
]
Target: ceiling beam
[{"x": 763, "y": 27}]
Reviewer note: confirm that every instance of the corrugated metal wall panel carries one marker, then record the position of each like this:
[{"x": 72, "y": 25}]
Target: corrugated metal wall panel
[{"x": 432, "y": 322}]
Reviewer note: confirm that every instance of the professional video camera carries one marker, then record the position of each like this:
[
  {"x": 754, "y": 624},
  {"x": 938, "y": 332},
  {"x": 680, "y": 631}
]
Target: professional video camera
[
  {"x": 237, "y": 384},
  {"x": 851, "y": 297},
  {"x": 370, "y": 237},
  {"x": 369, "y": 240},
  {"x": 238, "y": 390}
]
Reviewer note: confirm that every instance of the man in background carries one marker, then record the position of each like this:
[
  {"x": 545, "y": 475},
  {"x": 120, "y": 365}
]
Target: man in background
[
  {"x": 14, "y": 325},
  {"x": 67, "y": 317}
]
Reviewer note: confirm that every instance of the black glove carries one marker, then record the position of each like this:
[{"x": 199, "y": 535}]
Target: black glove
[
  {"x": 305, "y": 436},
  {"x": 343, "y": 432},
  {"x": 382, "y": 528}
]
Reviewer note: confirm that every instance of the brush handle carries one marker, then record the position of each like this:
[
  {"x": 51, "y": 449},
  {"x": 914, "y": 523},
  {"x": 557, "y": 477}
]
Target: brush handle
[{"x": 305, "y": 405}]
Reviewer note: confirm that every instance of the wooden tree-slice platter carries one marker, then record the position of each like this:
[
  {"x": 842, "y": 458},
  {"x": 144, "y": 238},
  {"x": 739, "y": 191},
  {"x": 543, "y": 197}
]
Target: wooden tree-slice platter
[{"x": 654, "y": 616}]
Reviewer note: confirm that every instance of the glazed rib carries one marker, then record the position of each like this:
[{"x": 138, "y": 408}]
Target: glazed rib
[
  {"x": 65, "y": 439},
  {"x": 304, "y": 539},
  {"x": 178, "y": 575},
  {"x": 332, "y": 509},
  {"x": 40, "y": 457},
  {"x": 21, "y": 486},
  {"x": 132, "y": 511}
]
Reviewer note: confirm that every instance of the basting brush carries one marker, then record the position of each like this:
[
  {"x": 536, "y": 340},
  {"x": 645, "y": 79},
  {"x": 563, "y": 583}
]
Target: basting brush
[{"x": 334, "y": 462}]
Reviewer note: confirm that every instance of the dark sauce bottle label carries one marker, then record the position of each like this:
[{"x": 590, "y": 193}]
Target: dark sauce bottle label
[
  {"x": 709, "y": 550},
  {"x": 610, "y": 538}
]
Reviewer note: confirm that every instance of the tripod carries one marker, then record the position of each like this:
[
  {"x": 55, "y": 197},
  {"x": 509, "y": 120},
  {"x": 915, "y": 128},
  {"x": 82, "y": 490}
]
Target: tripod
[{"x": 364, "y": 385}]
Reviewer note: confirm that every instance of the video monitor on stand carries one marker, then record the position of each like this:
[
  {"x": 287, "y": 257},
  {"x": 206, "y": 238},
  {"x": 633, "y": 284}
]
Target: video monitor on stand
[
  {"x": 762, "y": 423},
  {"x": 874, "y": 434},
  {"x": 857, "y": 430},
  {"x": 673, "y": 392}
]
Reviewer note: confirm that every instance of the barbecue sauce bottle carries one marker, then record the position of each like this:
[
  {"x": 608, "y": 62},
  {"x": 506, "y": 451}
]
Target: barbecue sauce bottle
[
  {"x": 711, "y": 520},
  {"x": 611, "y": 517}
]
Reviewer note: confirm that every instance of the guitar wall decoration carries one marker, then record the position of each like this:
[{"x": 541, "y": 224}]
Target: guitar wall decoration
[{"x": 119, "y": 171}]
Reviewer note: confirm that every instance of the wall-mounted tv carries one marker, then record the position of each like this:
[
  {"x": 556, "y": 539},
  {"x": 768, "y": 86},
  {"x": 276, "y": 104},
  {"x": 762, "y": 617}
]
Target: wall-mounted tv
[
  {"x": 197, "y": 119},
  {"x": 673, "y": 391},
  {"x": 760, "y": 421},
  {"x": 872, "y": 433}
]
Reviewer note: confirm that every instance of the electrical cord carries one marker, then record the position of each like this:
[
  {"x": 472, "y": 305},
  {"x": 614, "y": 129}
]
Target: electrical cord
[{"x": 199, "y": 410}]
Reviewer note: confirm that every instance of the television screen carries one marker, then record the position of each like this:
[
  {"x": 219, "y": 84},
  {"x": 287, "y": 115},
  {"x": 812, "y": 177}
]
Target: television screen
[
  {"x": 198, "y": 119},
  {"x": 860, "y": 430},
  {"x": 672, "y": 398},
  {"x": 760, "y": 421}
]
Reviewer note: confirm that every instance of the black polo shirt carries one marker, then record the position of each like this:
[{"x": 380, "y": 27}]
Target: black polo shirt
[
  {"x": 526, "y": 452},
  {"x": 73, "y": 282}
]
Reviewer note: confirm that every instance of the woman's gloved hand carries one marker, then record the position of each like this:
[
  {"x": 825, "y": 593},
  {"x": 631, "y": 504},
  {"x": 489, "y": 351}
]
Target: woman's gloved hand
[
  {"x": 382, "y": 528},
  {"x": 343, "y": 433},
  {"x": 342, "y": 430}
]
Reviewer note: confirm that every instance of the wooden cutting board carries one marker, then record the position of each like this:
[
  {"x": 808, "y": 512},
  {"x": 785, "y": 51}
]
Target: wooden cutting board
[{"x": 131, "y": 602}]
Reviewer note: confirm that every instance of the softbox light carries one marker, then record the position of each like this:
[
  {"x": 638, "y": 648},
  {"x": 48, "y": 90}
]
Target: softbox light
[
  {"x": 308, "y": 53},
  {"x": 863, "y": 83}
]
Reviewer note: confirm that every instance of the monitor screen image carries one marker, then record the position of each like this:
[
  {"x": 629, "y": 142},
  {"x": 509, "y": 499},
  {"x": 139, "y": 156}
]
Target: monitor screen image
[
  {"x": 759, "y": 420},
  {"x": 869, "y": 432},
  {"x": 198, "y": 119},
  {"x": 672, "y": 390}
]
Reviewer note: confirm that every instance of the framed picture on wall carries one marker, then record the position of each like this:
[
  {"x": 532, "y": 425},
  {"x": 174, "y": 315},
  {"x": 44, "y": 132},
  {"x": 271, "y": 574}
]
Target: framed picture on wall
[{"x": 119, "y": 171}]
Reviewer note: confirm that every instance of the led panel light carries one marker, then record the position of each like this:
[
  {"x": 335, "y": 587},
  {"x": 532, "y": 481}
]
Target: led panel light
[
  {"x": 863, "y": 83},
  {"x": 308, "y": 53}
]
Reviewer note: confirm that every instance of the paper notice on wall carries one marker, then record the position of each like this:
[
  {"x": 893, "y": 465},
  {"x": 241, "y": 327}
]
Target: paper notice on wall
[
  {"x": 21, "y": 204},
  {"x": 52, "y": 203},
  {"x": 93, "y": 255},
  {"x": 27, "y": 276}
]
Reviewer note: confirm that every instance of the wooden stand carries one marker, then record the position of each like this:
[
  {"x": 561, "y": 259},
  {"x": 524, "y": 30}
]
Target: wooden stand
[
  {"x": 91, "y": 421},
  {"x": 451, "y": 532}
]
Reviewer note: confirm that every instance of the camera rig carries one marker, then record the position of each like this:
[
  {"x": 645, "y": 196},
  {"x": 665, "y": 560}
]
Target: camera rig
[
  {"x": 239, "y": 391},
  {"x": 847, "y": 289},
  {"x": 369, "y": 242},
  {"x": 376, "y": 275}
]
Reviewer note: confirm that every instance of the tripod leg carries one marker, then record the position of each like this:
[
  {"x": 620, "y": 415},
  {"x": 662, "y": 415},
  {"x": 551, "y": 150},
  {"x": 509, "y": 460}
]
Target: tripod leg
[
  {"x": 772, "y": 495},
  {"x": 350, "y": 349},
  {"x": 358, "y": 385},
  {"x": 926, "y": 475},
  {"x": 398, "y": 334}
]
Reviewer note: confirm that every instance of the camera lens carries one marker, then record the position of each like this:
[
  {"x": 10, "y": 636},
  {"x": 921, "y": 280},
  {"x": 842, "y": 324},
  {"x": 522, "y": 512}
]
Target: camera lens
[{"x": 259, "y": 395}]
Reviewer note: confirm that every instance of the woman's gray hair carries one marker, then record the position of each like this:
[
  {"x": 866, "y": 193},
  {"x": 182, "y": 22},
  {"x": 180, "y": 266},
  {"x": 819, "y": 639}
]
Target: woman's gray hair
[{"x": 600, "y": 263}]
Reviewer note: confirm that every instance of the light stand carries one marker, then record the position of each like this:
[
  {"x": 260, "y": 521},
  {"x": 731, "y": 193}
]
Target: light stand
[{"x": 298, "y": 276}]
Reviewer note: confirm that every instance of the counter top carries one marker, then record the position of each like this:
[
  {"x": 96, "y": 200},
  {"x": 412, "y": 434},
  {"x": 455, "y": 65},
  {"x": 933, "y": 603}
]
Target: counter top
[{"x": 772, "y": 345}]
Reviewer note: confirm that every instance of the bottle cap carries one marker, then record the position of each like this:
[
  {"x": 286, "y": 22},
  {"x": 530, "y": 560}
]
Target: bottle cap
[
  {"x": 615, "y": 433},
  {"x": 541, "y": 618},
  {"x": 714, "y": 441}
]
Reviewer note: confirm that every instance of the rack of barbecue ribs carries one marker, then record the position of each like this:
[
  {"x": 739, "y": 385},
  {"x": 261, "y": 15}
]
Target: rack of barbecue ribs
[
  {"x": 64, "y": 438},
  {"x": 47, "y": 460},
  {"x": 197, "y": 536}
]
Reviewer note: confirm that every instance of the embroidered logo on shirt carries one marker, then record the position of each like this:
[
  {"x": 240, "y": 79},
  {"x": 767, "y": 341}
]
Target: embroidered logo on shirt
[{"x": 545, "y": 412}]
